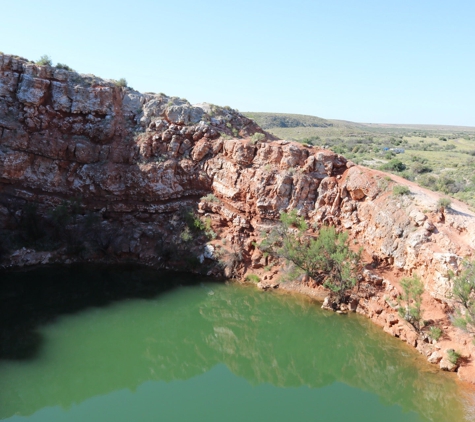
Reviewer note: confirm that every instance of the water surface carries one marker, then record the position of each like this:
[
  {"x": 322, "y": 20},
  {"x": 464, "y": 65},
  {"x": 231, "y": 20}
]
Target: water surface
[{"x": 127, "y": 344}]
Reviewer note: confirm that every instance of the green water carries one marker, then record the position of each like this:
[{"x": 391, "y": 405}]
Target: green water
[{"x": 85, "y": 349}]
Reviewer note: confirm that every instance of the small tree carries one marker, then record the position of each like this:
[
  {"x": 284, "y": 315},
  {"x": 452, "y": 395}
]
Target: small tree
[
  {"x": 45, "y": 60},
  {"x": 464, "y": 293},
  {"x": 411, "y": 310},
  {"x": 326, "y": 258}
]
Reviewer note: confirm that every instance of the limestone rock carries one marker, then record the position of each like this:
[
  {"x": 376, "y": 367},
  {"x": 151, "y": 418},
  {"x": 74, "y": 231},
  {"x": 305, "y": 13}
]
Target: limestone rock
[
  {"x": 435, "y": 357},
  {"x": 446, "y": 365}
]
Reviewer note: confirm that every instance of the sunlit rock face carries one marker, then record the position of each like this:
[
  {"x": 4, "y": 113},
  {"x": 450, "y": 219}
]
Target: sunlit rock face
[
  {"x": 93, "y": 171},
  {"x": 137, "y": 161}
]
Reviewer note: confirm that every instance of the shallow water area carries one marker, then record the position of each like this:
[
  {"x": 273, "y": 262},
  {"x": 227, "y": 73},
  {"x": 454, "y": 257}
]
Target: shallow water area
[{"x": 127, "y": 343}]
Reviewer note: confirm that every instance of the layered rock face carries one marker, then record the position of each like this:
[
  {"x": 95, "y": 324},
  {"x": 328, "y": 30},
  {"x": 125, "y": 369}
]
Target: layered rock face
[
  {"x": 135, "y": 159},
  {"x": 136, "y": 163}
]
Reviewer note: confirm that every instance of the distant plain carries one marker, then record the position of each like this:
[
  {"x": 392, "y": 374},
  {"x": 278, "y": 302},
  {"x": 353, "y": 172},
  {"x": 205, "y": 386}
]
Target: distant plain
[{"x": 438, "y": 157}]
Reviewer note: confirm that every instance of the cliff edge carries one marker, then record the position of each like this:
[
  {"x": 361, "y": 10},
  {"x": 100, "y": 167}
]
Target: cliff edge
[{"x": 90, "y": 170}]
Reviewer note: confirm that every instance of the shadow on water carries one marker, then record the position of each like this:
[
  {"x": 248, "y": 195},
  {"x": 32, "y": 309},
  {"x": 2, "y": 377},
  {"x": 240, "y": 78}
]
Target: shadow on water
[
  {"x": 31, "y": 298},
  {"x": 266, "y": 339}
]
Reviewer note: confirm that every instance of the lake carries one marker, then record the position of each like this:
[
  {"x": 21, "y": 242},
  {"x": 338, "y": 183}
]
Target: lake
[{"x": 127, "y": 343}]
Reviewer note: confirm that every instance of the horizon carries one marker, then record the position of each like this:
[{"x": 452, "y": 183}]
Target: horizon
[{"x": 367, "y": 62}]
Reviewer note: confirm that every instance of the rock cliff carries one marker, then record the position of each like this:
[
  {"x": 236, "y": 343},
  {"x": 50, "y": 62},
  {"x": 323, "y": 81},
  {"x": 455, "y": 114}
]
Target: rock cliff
[{"x": 90, "y": 170}]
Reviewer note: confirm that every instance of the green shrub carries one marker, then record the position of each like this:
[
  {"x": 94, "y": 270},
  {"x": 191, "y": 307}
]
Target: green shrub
[
  {"x": 400, "y": 190},
  {"x": 193, "y": 221},
  {"x": 435, "y": 333},
  {"x": 463, "y": 292},
  {"x": 394, "y": 165},
  {"x": 453, "y": 356},
  {"x": 326, "y": 258},
  {"x": 383, "y": 184},
  {"x": 64, "y": 67},
  {"x": 411, "y": 300},
  {"x": 44, "y": 60},
  {"x": 428, "y": 181},
  {"x": 444, "y": 203},
  {"x": 253, "y": 278},
  {"x": 186, "y": 235},
  {"x": 420, "y": 168},
  {"x": 407, "y": 175},
  {"x": 257, "y": 137},
  {"x": 122, "y": 82},
  {"x": 210, "y": 198}
]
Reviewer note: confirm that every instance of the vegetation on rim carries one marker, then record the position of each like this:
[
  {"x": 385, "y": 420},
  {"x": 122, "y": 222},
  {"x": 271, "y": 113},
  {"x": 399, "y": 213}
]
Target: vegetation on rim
[{"x": 440, "y": 158}]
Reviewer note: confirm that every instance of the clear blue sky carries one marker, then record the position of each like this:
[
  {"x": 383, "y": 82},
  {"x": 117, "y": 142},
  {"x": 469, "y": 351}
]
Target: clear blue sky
[{"x": 405, "y": 61}]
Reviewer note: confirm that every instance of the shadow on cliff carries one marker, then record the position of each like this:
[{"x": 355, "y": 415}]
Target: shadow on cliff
[{"x": 31, "y": 298}]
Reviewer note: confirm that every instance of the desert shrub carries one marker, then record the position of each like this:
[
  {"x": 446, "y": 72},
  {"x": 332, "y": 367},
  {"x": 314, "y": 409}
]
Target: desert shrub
[
  {"x": 122, "y": 82},
  {"x": 193, "y": 221},
  {"x": 407, "y": 175},
  {"x": 447, "y": 184},
  {"x": 400, "y": 190},
  {"x": 453, "y": 356},
  {"x": 257, "y": 137},
  {"x": 383, "y": 184},
  {"x": 186, "y": 235},
  {"x": 411, "y": 300},
  {"x": 444, "y": 203},
  {"x": 253, "y": 278},
  {"x": 44, "y": 60},
  {"x": 339, "y": 149},
  {"x": 420, "y": 168},
  {"x": 435, "y": 333},
  {"x": 64, "y": 67},
  {"x": 394, "y": 165},
  {"x": 463, "y": 292},
  {"x": 210, "y": 198},
  {"x": 428, "y": 181},
  {"x": 326, "y": 258}
]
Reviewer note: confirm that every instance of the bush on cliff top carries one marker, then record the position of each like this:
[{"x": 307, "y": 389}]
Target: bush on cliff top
[
  {"x": 64, "y": 67},
  {"x": 122, "y": 82},
  {"x": 257, "y": 137},
  {"x": 45, "y": 60},
  {"x": 399, "y": 190},
  {"x": 444, "y": 203}
]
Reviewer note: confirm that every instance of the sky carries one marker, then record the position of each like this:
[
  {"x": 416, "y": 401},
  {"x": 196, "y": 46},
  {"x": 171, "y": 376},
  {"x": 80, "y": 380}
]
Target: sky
[{"x": 374, "y": 61}]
